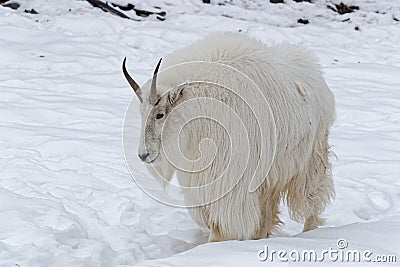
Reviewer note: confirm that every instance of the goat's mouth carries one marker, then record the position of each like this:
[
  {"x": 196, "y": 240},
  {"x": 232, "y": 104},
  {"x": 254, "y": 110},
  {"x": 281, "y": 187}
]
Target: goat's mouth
[
  {"x": 147, "y": 158},
  {"x": 149, "y": 161}
]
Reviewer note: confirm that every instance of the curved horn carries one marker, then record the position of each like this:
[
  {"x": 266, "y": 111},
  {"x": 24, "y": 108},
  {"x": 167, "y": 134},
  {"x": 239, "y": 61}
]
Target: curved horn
[
  {"x": 132, "y": 82},
  {"x": 153, "y": 89}
]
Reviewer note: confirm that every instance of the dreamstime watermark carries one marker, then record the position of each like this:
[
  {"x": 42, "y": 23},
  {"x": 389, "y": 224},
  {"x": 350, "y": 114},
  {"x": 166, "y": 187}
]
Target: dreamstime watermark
[
  {"x": 339, "y": 254},
  {"x": 236, "y": 118}
]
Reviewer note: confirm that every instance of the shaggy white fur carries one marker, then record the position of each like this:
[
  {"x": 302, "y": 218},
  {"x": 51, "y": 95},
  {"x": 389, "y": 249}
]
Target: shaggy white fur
[{"x": 268, "y": 113}]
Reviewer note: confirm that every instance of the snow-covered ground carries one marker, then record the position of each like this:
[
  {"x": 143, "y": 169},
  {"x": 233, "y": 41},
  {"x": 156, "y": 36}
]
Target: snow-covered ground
[{"x": 66, "y": 195}]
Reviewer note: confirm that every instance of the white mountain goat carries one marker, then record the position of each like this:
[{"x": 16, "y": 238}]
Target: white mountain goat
[{"x": 229, "y": 114}]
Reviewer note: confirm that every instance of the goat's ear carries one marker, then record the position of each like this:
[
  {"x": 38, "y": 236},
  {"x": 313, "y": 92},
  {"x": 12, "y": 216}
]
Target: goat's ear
[{"x": 175, "y": 93}]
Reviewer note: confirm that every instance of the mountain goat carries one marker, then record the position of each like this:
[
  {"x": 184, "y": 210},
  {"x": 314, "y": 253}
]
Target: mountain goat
[{"x": 243, "y": 126}]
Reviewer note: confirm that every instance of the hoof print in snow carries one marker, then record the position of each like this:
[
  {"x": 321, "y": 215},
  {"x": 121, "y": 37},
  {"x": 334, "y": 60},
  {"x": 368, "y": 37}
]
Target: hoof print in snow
[
  {"x": 303, "y": 21},
  {"x": 31, "y": 11},
  {"x": 276, "y": 1},
  {"x": 343, "y": 8},
  {"x": 13, "y": 5}
]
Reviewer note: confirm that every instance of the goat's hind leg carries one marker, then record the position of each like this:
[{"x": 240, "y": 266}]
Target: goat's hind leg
[
  {"x": 309, "y": 192},
  {"x": 270, "y": 216},
  {"x": 215, "y": 234}
]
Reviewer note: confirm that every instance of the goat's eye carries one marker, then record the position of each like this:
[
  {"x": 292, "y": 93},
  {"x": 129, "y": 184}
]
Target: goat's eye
[{"x": 159, "y": 116}]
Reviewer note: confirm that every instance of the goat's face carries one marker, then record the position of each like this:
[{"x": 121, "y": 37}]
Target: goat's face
[
  {"x": 154, "y": 109},
  {"x": 153, "y": 120}
]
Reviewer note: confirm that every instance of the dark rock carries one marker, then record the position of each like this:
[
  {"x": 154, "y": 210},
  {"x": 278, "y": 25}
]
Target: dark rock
[
  {"x": 356, "y": 28},
  {"x": 114, "y": 8},
  {"x": 309, "y": 1},
  {"x": 343, "y": 8},
  {"x": 128, "y": 7},
  {"x": 162, "y": 13},
  {"x": 303, "y": 21},
  {"x": 139, "y": 12},
  {"x": 277, "y": 1},
  {"x": 12, "y": 5},
  {"x": 106, "y": 8},
  {"x": 31, "y": 11},
  {"x": 146, "y": 13},
  {"x": 206, "y": 1}
]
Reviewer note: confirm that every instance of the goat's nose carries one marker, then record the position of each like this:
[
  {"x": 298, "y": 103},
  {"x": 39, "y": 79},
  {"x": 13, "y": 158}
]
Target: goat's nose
[{"x": 143, "y": 156}]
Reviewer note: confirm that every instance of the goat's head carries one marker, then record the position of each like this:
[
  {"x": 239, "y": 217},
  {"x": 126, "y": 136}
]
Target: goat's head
[{"x": 154, "y": 109}]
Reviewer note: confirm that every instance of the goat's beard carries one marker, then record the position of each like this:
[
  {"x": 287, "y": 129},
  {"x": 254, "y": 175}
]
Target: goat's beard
[{"x": 161, "y": 169}]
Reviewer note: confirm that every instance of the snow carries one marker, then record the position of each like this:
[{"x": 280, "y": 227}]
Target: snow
[{"x": 66, "y": 195}]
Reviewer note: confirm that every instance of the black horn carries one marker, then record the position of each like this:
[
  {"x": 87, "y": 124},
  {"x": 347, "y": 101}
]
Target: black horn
[
  {"x": 153, "y": 89},
  {"x": 132, "y": 82}
]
